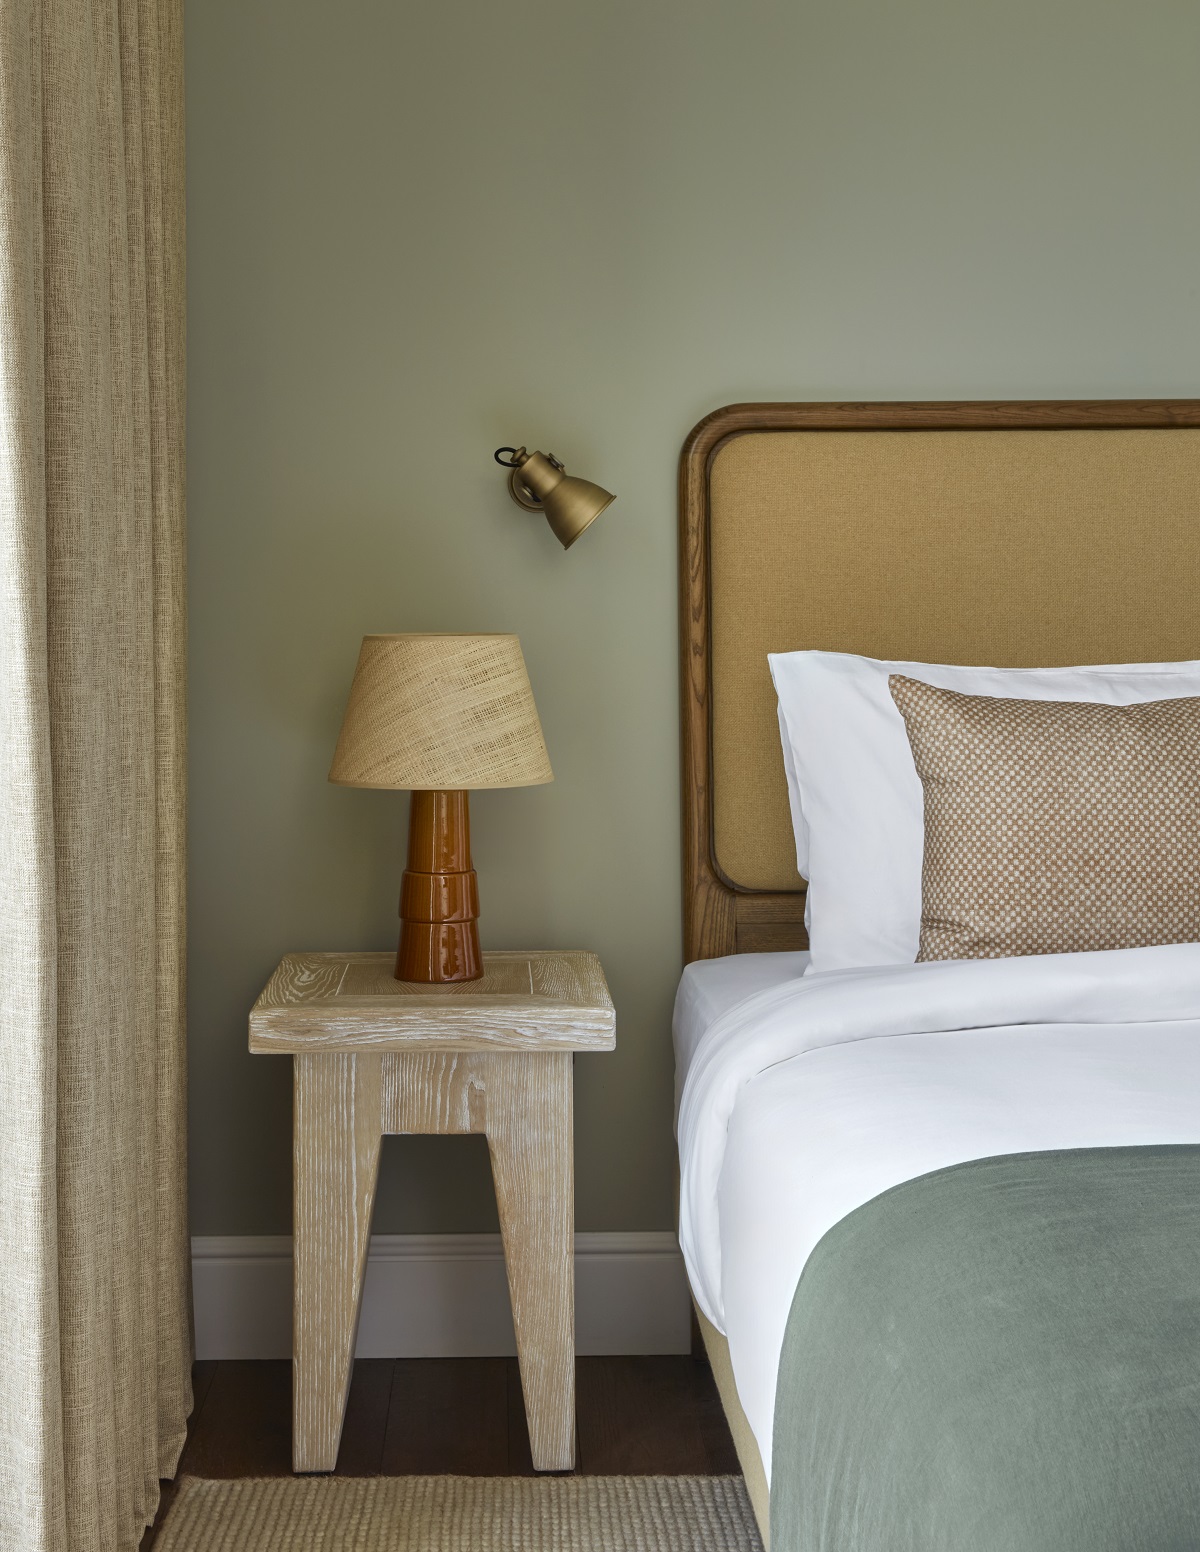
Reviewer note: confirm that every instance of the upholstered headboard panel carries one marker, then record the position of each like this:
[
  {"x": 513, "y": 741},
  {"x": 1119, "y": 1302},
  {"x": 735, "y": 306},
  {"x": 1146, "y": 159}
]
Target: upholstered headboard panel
[{"x": 1013, "y": 534}]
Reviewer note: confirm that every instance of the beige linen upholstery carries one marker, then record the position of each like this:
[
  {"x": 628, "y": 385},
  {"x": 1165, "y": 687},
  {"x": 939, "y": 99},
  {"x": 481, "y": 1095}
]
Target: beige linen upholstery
[
  {"x": 94, "y": 1275},
  {"x": 1019, "y": 548},
  {"x": 748, "y": 1453},
  {"x": 1054, "y": 826}
]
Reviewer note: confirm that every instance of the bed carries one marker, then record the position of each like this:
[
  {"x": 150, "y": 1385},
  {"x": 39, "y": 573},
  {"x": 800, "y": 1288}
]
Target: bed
[{"x": 1016, "y": 534}]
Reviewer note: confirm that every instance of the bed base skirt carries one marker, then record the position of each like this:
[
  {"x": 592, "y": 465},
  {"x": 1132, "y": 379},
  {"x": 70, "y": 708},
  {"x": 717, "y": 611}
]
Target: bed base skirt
[{"x": 744, "y": 1441}]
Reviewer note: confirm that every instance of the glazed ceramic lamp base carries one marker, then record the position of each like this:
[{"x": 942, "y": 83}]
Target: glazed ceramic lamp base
[{"x": 439, "y": 896}]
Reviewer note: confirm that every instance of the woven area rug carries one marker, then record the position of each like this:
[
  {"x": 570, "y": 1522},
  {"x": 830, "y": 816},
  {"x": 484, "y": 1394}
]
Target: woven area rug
[{"x": 461, "y": 1514}]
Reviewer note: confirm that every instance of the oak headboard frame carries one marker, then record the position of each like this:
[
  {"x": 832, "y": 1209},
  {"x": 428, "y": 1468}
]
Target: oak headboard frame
[{"x": 719, "y": 916}]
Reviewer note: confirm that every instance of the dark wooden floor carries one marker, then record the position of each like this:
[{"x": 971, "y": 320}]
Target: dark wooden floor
[{"x": 416, "y": 1416}]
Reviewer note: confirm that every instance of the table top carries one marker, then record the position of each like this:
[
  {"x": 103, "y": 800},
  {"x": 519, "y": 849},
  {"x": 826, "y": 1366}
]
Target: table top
[{"x": 545, "y": 1000}]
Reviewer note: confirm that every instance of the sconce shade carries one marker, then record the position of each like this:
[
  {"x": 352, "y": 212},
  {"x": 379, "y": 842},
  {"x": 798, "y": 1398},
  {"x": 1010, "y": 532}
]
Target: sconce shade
[
  {"x": 440, "y": 713},
  {"x": 539, "y": 484},
  {"x": 572, "y": 505}
]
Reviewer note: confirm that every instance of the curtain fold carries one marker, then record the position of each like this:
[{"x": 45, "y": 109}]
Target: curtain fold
[{"x": 95, "y": 1320}]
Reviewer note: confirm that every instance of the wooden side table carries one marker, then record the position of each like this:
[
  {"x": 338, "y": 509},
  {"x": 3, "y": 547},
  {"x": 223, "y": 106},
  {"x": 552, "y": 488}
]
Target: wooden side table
[{"x": 374, "y": 1056}]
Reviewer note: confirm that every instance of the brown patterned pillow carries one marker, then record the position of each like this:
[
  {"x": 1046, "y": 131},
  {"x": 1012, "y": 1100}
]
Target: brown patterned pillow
[{"x": 1054, "y": 826}]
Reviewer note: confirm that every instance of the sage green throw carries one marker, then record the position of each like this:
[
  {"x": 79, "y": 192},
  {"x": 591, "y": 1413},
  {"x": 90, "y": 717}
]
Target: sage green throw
[{"x": 1000, "y": 1357}]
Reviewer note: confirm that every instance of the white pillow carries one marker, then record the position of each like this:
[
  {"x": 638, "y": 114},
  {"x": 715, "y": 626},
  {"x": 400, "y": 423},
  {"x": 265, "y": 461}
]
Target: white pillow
[{"x": 856, "y": 798}]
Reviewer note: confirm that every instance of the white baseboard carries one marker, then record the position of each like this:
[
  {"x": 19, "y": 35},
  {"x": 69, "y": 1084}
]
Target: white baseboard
[{"x": 442, "y": 1296}]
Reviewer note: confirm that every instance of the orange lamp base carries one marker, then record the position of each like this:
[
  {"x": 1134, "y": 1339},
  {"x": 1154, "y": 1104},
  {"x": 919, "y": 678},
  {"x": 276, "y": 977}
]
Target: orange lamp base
[{"x": 439, "y": 895}]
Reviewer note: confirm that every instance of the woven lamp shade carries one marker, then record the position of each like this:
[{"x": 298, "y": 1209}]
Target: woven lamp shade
[{"x": 440, "y": 713}]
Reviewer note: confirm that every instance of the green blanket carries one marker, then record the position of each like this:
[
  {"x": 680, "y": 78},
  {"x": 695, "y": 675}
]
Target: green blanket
[{"x": 1000, "y": 1357}]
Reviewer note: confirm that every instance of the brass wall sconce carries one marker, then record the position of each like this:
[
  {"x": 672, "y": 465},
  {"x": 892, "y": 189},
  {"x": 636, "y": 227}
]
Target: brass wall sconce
[{"x": 539, "y": 483}]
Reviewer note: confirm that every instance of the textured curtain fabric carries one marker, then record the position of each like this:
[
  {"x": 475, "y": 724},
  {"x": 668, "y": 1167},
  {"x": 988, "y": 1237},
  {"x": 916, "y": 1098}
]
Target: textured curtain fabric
[{"x": 94, "y": 1288}]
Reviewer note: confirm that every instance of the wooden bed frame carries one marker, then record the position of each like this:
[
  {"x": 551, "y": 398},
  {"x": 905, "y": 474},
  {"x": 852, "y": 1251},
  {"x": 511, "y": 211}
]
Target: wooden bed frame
[{"x": 1015, "y": 534}]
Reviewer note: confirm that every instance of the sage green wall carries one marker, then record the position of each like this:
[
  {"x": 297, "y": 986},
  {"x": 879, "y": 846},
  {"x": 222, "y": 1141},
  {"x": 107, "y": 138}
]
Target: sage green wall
[{"x": 419, "y": 231}]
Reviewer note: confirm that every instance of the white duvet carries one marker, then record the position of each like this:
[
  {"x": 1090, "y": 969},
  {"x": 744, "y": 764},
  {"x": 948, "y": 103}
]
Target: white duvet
[{"x": 805, "y": 1100}]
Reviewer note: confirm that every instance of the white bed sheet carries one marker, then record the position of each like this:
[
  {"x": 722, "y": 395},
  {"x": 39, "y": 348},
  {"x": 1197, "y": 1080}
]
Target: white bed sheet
[
  {"x": 791, "y": 1127},
  {"x": 710, "y": 987}
]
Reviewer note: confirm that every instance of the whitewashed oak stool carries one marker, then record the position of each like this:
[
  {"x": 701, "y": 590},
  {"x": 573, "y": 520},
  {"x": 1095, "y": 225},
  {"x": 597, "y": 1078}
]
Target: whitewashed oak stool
[{"x": 375, "y": 1056}]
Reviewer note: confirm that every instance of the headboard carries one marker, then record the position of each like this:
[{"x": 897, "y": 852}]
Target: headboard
[{"x": 1013, "y": 534}]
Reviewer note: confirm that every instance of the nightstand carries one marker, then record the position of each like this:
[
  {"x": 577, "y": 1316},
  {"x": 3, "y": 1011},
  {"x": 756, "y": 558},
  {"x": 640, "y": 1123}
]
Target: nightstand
[{"x": 375, "y": 1056}]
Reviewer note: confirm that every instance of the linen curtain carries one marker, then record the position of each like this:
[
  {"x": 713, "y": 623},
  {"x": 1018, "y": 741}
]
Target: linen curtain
[{"x": 94, "y": 1285}]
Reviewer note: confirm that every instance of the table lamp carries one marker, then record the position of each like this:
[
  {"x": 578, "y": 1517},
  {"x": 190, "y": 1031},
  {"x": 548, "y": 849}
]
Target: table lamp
[{"x": 440, "y": 715}]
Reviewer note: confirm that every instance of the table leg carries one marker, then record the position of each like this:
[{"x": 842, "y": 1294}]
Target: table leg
[
  {"x": 336, "y": 1164},
  {"x": 529, "y": 1136}
]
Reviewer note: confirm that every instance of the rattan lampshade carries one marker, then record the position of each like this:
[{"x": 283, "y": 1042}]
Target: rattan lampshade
[{"x": 431, "y": 712}]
